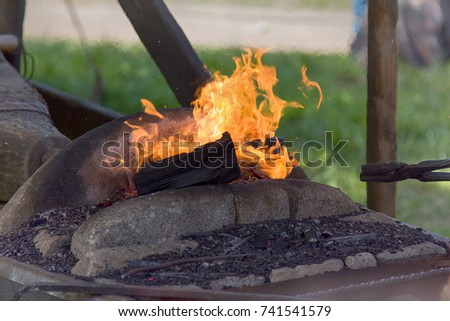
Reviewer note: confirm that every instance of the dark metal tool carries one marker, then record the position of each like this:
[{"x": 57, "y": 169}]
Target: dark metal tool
[{"x": 399, "y": 171}]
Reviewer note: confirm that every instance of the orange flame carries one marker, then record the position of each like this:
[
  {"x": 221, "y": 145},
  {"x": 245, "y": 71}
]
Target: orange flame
[
  {"x": 243, "y": 104},
  {"x": 150, "y": 109},
  {"x": 310, "y": 85}
]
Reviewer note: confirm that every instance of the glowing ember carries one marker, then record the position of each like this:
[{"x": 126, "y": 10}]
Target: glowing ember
[{"x": 245, "y": 106}]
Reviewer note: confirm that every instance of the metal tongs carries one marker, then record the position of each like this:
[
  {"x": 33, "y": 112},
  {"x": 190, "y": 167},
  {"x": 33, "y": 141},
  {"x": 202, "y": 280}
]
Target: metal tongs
[{"x": 399, "y": 171}]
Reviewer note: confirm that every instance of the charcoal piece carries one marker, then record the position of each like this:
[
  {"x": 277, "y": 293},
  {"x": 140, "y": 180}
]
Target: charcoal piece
[
  {"x": 272, "y": 141},
  {"x": 212, "y": 163},
  {"x": 268, "y": 142},
  {"x": 256, "y": 143}
]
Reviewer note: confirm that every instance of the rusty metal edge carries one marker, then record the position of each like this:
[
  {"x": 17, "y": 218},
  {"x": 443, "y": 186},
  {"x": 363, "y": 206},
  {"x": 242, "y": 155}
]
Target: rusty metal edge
[
  {"x": 23, "y": 273},
  {"x": 68, "y": 288}
]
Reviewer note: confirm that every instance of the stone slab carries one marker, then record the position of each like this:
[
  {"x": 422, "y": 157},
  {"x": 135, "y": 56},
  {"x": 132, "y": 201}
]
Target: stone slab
[
  {"x": 165, "y": 215},
  {"x": 93, "y": 263},
  {"x": 48, "y": 244},
  {"x": 312, "y": 200},
  {"x": 260, "y": 201},
  {"x": 232, "y": 282},
  {"x": 301, "y": 271},
  {"x": 425, "y": 249},
  {"x": 156, "y": 218},
  {"x": 361, "y": 260}
]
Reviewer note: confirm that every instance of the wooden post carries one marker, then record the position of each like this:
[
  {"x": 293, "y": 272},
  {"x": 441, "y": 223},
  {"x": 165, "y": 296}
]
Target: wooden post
[
  {"x": 11, "y": 22},
  {"x": 169, "y": 47},
  {"x": 382, "y": 98}
]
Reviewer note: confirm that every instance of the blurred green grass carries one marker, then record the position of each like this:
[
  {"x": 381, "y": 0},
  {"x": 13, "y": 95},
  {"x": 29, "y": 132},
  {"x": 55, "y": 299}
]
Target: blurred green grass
[{"x": 423, "y": 109}]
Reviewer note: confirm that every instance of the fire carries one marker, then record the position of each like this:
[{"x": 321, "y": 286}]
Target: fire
[{"x": 244, "y": 105}]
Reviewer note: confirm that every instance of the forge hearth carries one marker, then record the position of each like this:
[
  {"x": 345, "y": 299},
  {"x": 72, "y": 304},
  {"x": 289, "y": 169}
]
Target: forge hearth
[
  {"x": 285, "y": 256},
  {"x": 243, "y": 234},
  {"x": 167, "y": 215}
]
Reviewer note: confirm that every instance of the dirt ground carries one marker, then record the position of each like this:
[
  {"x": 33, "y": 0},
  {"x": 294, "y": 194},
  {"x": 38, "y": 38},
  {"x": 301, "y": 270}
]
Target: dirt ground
[{"x": 213, "y": 25}]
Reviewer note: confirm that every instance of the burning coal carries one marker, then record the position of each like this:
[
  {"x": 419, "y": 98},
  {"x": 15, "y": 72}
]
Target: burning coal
[{"x": 243, "y": 105}]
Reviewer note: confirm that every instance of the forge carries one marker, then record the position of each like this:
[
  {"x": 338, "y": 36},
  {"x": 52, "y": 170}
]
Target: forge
[
  {"x": 75, "y": 178},
  {"x": 191, "y": 203},
  {"x": 276, "y": 237}
]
